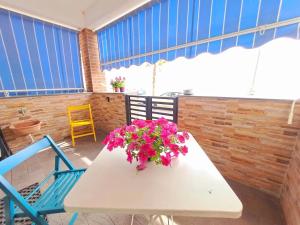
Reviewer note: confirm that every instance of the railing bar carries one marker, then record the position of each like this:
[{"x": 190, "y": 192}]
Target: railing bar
[
  {"x": 133, "y": 100},
  {"x": 163, "y": 103},
  {"x": 161, "y": 113},
  {"x": 162, "y": 108},
  {"x": 46, "y": 89},
  {"x": 138, "y": 105},
  {"x": 135, "y": 118},
  {"x": 161, "y": 97},
  {"x": 135, "y": 114},
  {"x": 139, "y": 110}
]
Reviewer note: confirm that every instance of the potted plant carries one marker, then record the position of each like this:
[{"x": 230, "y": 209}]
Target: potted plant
[
  {"x": 114, "y": 85},
  {"x": 118, "y": 84},
  {"x": 122, "y": 84},
  {"x": 147, "y": 141}
]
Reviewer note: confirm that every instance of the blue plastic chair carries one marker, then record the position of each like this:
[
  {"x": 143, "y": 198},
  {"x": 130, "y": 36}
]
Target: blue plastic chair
[{"x": 51, "y": 200}]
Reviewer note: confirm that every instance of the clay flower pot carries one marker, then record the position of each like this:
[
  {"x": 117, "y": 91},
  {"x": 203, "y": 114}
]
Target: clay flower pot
[
  {"x": 116, "y": 89},
  {"x": 122, "y": 89}
]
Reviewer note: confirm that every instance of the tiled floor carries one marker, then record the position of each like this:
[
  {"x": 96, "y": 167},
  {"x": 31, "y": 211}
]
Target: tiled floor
[{"x": 259, "y": 208}]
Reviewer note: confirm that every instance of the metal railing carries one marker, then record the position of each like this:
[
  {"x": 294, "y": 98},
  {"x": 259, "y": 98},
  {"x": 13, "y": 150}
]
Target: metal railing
[
  {"x": 151, "y": 107},
  {"x": 23, "y": 92}
]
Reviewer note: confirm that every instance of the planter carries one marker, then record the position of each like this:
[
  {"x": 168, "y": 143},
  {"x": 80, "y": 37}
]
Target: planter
[
  {"x": 116, "y": 89},
  {"x": 122, "y": 89}
]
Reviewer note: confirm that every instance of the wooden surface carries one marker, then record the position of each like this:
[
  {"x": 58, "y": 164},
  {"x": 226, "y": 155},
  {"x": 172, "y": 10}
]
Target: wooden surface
[{"x": 192, "y": 186}]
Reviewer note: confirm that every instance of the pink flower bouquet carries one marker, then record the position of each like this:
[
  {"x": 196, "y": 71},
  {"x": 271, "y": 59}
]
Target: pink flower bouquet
[{"x": 149, "y": 140}]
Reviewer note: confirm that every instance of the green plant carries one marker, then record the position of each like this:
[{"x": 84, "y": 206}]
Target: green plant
[{"x": 118, "y": 82}]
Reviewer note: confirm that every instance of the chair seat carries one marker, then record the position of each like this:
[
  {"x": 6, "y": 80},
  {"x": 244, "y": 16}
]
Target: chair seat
[
  {"x": 79, "y": 123},
  {"x": 51, "y": 200}
]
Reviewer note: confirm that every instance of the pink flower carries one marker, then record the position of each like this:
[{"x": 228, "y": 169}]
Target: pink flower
[
  {"x": 184, "y": 150},
  {"x": 119, "y": 142},
  {"x": 148, "y": 139},
  {"x": 148, "y": 150},
  {"x": 130, "y": 128},
  {"x": 181, "y": 138},
  {"x": 110, "y": 146},
  {"x": 166, "y": 142},
  {"x": 186, "y": 135},
  {"x": 141, "y": 166},
  {"x": 162, "y": 121},
  {"x": 134, "y": 136},
  {"x": 175, "y": 149},
  {"x": 132, "y": 146},
  {"x": 164, "y": 133},
  {"x": 165, "y": 160},
  {"x": 129, "y": 156},
  {"x": 151, "y": 152},
  {"x": 139, "y": 123},
  {"x": 142, "y": 155},
  {"x": 106, "y": 140},
  {"x": 173, "y": 128}
]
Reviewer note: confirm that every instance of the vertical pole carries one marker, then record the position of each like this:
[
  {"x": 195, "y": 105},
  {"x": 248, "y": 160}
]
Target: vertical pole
[
  {"x": 9, "y": 211},
  {"x": 57, "y": 165},
  {"x": 154, "y": 80},
  {"x": 175, "y": 110},
  {"x": 127, "y": 109},
  {"x": 148, "y": 108}
]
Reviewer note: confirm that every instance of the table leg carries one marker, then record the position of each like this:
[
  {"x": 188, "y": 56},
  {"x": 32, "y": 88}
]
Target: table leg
[
  {"x": 150, "y": 220},
  {"x": 161, "y": 220},
  {"x": 153, "y": 218},
  {"x": 132, "y": 218}
]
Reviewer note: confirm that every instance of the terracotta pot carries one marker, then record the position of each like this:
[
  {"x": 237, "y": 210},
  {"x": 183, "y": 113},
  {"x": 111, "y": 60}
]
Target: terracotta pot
[
  {"x": 26, "y": 127},
  {"x": 122, "y": 89},
  {"x": 116, "y": 89}
]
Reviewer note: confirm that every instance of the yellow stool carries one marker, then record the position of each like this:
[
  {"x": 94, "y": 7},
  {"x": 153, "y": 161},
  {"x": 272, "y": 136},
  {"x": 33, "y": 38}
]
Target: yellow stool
[{"x": 81, "y": 122}]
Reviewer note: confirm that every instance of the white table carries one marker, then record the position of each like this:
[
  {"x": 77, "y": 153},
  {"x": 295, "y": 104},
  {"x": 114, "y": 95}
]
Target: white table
[{"x": 192, "y": 186}]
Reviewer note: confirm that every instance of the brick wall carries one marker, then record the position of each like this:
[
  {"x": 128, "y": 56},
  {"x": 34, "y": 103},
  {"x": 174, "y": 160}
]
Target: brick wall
[
  {"x": 108, "y": 111},
  {"x": 52, "y": 110},
  {"x": 94, "y": 78},
  {"x": 290, "y": 198},
  {"x": 248, "y": 140}
]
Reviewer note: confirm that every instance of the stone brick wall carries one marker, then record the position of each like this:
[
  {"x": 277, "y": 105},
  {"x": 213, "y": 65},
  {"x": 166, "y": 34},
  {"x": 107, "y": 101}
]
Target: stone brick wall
[
  {"x": 290, "y": 198},
  {"x": 94, "y": 78},
  {"x": 108, "y": 111},
  {"x": 247, "y": 139},
  {"x": 52, "y": 110}
]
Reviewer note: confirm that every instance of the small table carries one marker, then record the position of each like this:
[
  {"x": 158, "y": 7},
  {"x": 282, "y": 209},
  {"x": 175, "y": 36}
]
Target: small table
[{"x": 192, "y": 186}]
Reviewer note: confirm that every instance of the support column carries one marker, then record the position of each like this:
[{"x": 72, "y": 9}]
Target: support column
[{"x": 94, "y": 77}]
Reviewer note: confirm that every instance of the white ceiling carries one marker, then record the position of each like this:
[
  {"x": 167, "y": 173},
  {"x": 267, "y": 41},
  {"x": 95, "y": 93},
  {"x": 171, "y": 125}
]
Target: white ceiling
[{"x": 78, "y": 14}]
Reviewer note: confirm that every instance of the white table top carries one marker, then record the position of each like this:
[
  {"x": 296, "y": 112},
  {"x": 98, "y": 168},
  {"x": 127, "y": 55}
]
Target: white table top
[{"x": 192, "y": 186}]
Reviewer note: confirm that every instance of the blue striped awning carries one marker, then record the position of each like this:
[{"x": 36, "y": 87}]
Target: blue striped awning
[
  {"x": 168, "y": 29},
  {"x": 37, "y": 57}
]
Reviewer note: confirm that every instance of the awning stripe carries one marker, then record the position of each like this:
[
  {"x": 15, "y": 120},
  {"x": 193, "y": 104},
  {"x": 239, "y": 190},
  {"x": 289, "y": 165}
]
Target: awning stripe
[
  {"x": 174, "y": 28},
  {"x": 212, "y": 39},
  {"x": 37, "y": 57}
]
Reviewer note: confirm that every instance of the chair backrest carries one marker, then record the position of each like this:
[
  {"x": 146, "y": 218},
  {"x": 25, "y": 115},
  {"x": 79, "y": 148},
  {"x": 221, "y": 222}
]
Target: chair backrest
[
  {"x": 16, "y": 159},
  {"x": 77, "y": 108}
]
